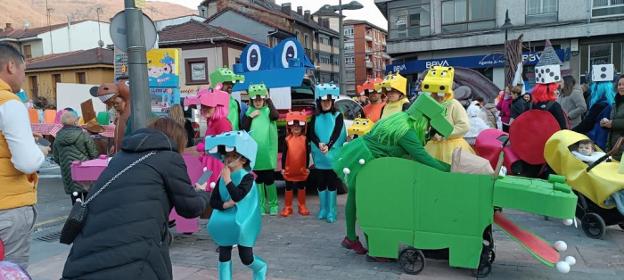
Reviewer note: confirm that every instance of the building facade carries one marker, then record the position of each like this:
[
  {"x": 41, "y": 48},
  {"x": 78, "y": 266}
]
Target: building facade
[
  {"x": 365, "y": 55},
  {"x": 93, "y": 66},
  {"x": 59, "y": 38},
  {"x": 467, "y": 33}
]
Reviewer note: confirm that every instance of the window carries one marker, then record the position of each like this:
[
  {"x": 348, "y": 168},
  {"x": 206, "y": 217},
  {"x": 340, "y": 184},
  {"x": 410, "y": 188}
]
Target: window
[
  {"x": 325, "y": 58},
  {"x": 349, "y": 60},
  {"x": 324, "y": 40},
  {"x": 56, "y": 78},
  {"x": 606, "y": 8},
  {"x": 541, "y": 11},
  {"x": 350, "y": 75},
  {"x": 604, "y": 53},
  {"x": 34, "y": 86},
  {"x": 81, "y": 77},
  {"x": 600, "y": 54},
  {"x": 348, "y": 46},
  {"x": 410, "y": 22},
  {"x": 196, "y": 70},
  {"x": 465, "y": 15},
  {"x": 27, "y": 51},
  {"x": 348, "y": 31},
  {"x": 305, "y": 40}
]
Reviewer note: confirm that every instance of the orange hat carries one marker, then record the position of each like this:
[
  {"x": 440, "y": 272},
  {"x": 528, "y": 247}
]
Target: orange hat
[
  {"x": 368, "y": 86},
  {"x": 297, "y": 116}
]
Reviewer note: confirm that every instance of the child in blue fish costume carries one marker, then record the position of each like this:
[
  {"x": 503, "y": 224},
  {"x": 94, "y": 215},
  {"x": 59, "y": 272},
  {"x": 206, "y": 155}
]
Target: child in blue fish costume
[
  {"x": 326, "y": 134},
  {"x": 236, "y": 218}
]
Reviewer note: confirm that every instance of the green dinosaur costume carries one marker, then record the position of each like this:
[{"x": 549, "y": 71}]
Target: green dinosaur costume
[
  {"x": 400, "y": 135},
  {"x": 223, "y": 75}
]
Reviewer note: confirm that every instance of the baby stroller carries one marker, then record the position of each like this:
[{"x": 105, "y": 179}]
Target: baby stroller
[{"x": 596, "y": 184}]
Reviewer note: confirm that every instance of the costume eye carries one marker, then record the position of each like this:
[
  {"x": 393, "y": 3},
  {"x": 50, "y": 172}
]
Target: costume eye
[
  {"x": 254, "y": 58},
  {"x": 289, "y": 52}
]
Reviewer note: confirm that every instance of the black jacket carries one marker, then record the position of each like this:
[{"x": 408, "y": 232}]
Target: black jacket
[{"x": 125, "y": 235}]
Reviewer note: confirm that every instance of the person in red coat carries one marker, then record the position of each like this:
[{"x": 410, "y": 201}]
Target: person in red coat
[{"x": 295, "y": 162}]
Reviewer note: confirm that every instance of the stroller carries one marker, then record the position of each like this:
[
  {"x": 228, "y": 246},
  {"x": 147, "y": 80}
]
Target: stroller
[{"x": 595, "y": 184}]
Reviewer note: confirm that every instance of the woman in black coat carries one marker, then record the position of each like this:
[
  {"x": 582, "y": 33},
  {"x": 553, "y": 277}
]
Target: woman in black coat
[{"x": 126, "y": 235}]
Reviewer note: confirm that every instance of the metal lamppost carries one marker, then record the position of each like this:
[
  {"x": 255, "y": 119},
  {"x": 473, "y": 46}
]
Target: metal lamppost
[
  {"x": 505, "y": 27},
  {"x": 137, "y": 66},
  {"x": 353, "y": 5}
]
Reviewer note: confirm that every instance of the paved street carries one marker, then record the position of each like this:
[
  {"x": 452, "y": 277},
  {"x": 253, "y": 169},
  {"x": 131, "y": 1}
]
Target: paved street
[{"x": 305, "y": 248}]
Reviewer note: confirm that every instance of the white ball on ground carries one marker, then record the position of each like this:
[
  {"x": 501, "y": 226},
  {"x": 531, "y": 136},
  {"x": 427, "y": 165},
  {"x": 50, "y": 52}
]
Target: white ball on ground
[
  {"x": 362, "y": 161},
  {"x": 560, "y": 246},
  {"x": 563, "y": 267},
  {"x": 570, "y": 260},
  {"x": 568, "y": 222},
  {"x": 346, "y": 171}
]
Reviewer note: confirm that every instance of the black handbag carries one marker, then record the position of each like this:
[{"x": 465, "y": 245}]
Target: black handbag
[{"x": 78, "y": 214}]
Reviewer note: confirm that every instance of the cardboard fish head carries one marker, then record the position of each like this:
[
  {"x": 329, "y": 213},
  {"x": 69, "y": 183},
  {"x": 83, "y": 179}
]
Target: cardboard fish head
[
  {"x": 238, "y": 141},
  {"x": 325, "y": 91},
  {"x": 426, "y": 106},
  {"x": 296, "y": 117},
  {"x": 258, "y": 91},
  {"x": 439, "y": 79},
  {"x": 289, "y": 53},
  {"x": 360, "y": 127},
  {"x": 602, "y": 73},
  {"x": 222, "y": 75},
  {"x": 368, "y": 86}
]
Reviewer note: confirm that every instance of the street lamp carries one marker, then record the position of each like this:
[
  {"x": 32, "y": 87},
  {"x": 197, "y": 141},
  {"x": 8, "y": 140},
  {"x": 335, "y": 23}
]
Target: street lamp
[
  {"x": 353, "y": 5},
  {"x": 506, "y": 26}
]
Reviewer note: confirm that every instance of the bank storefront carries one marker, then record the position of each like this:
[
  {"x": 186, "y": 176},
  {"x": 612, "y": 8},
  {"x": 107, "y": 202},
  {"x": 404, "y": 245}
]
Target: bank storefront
[{"x": 490, "y": 65}]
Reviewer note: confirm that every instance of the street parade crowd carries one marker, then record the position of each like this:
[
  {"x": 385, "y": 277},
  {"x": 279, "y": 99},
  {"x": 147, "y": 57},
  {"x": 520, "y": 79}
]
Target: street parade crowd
[{"x": 145, "y": 189}]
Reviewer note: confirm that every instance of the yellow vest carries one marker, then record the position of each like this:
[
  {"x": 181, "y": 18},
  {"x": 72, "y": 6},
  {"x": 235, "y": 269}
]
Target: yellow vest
[
  {"x": 16, "y": 188},
  {"x": 392, "y": 108}
]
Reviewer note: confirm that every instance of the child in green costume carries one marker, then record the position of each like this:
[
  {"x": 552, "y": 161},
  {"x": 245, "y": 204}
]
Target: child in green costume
[
  {"x": 260, "y": 121},
  {"x": 402, "y": 134}
]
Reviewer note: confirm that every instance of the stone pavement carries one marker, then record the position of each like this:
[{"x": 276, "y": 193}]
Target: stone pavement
[{"x": 305, "y": 248}]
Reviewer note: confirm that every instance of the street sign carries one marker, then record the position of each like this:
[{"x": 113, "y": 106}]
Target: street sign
[
  {"x": 118, "y": 32},
  {"x": 121, "y": 63}
]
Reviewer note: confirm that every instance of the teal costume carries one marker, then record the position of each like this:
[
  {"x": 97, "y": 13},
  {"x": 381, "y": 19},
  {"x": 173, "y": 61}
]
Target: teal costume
[
  {"x": 323, "y": 127},
  {"x": 400, "y": 135},
  {"x": 241, "y": 224}
]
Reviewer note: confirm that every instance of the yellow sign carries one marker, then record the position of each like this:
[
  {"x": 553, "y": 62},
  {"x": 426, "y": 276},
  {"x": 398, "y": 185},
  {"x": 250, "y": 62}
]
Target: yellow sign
[{"x": 163, "y": 68}]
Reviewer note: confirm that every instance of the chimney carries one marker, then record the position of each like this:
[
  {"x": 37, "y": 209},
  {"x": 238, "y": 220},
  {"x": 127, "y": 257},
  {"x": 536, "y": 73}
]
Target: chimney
[
  {"x": 300, "y": 10},
  {"x": 307, "y": 15},
  {"x": 9, "y": 27},
  {"x": 286, "y": 8}
]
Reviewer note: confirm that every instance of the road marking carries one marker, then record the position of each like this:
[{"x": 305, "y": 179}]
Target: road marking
[{"x": 51, "y": 221}]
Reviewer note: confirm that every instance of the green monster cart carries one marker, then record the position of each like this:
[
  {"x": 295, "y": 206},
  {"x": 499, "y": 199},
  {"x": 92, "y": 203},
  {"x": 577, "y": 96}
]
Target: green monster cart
[{"x": 427, "y": 209}]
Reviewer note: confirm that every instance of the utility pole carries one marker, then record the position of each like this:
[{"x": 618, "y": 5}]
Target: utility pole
[
  {"x": 137, "y": 67},
  {"x": 341, "y": 51},
  {"x": 98, "y": 10},
  {"x": 48, "y": 12}
]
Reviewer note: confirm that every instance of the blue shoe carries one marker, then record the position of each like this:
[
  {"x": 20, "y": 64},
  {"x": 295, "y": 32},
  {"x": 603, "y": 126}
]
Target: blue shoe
[
  {"x": 322, "y": 215},
  {"x": 225, "y": 270},
  {"x": 259, "y": 268},
  {"x": 331, "y": 206}
]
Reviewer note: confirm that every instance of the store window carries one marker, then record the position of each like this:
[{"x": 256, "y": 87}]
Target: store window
[
  {"x": 604, "y": 53},
  {"x": 541, "y": 11},
  {"x": 467, "y": 15},
  {"x": 412, "y": 21},
  {"x": 607, "y": 8}
]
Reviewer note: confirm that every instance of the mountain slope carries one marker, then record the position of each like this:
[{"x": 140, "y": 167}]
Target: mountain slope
[{"x": 19, "y": 12}]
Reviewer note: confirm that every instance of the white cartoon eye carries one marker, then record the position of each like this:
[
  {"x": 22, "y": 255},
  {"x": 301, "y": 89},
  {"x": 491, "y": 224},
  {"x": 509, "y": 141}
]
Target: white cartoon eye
[
  {"x": 291, "y": 122},
  {"x": 289, "y": 52},
  {"x": 214, "y": 150},
  {"x": 254, "y": 58}
]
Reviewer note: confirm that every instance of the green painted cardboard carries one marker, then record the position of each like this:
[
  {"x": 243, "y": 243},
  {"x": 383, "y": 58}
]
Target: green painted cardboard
[{"x": 429, "y": 209}]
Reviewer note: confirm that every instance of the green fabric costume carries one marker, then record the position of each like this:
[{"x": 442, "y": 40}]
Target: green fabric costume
[
  {"x": 400, "y": 135},
  {"x": 233, "y": 113},
  {"x": 264, "y": 131}
]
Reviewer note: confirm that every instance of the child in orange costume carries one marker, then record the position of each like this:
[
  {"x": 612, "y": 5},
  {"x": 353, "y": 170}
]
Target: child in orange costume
[{"x": 295, "y": 161}]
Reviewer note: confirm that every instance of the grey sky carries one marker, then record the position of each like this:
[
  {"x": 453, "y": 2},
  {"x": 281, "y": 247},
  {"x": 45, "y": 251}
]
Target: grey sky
[{"x": 369, "y": 13}]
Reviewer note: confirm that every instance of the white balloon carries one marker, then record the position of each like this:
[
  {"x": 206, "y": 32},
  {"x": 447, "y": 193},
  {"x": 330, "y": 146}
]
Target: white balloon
[
  {"x": 563, "y": 267},
  {"x": 362, "y": 161},
  {"x": 560, "y": 246},
  {"x": 346, "y": 171},
  {"x": 568, "y": 222},
  {"x": 570, "y": 260}
]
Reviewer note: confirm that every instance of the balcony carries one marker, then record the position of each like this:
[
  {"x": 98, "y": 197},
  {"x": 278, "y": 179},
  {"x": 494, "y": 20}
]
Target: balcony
[
  {"x": 369, "y": 64},
  {"x": 369, "y": 50},
  {"x": 368, "y": 37}
]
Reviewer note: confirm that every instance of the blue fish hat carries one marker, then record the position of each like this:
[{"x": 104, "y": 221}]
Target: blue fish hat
[
  {"x": 326, "y": 91},
  {"x": 238, "y": 141}
]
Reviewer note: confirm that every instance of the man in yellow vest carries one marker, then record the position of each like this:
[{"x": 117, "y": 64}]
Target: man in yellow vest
[{"x": 20, "y": 157}]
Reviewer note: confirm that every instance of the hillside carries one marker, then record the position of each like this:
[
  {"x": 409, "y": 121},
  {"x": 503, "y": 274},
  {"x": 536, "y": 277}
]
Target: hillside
[{"x": 18, "y": 12}]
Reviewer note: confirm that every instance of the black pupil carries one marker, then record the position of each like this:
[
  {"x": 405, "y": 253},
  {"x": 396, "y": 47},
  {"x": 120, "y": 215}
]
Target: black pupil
[
  {"x": 253, "y": 60},
  {"x": 290, "y": 52}
]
